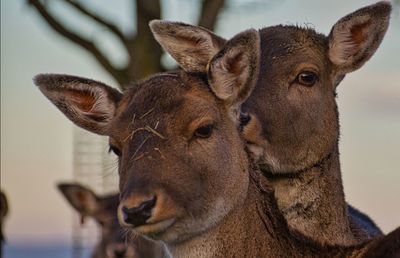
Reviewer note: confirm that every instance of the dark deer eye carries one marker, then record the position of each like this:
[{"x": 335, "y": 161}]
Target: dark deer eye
[
  {"x": 204, "y": 131},
  {"x": 244, "y": 119},
  {"x": 115, "y": 150},
  {"x": 307, "y": 78}
]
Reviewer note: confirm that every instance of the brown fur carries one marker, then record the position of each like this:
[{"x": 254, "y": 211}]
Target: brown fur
[
  {"x": 294, "y": 130},
  {"x": 300, "y": 127},
  {"x": 199, "y": 179},
  {"x": 209, "y": 201},
  {"x": 114, "y": 239},
  {"x": 187, "y": 47}
]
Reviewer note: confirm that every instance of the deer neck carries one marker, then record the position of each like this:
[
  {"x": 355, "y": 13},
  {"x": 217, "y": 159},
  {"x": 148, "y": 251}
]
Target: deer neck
[
  {"x": 245, "y": 232},
  {"x": 313, "y": 202}
]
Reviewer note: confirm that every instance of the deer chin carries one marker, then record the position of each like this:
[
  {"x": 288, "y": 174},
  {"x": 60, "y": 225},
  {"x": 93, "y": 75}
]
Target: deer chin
[
  {"x": 154, "y": 230},
  {"x": 269, "y": 163},
  {"x": 181, "y": 227},
  {"x": 273, "y": 165},
  {"x": 129, "y": 252}
]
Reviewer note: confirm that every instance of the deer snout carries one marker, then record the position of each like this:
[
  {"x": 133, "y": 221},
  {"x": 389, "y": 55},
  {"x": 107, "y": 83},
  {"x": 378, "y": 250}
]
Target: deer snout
[
  {"x": 138, "y": 215},
  {"x": 120, "y": 250},
  {"x": 119, "y": 253}
]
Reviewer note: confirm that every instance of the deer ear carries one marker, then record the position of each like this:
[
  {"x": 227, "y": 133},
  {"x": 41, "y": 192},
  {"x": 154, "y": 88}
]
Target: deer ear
[
  {"x": 81, "y": 198},
  {"x": 191, "y": 46},
  {"x": 89, "y": 104},
  {"x": 355, "y": 37},
  {"x": 233, "y": 72}
]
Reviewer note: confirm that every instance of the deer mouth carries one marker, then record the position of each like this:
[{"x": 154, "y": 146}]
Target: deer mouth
[{"x": 155, "y": 229}]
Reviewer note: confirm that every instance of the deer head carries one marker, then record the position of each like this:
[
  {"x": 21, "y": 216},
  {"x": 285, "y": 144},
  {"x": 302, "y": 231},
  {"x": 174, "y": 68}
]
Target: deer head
[
  {"x": 114, "y": 241},
  {"x": 294, "y": 118},
  {"x": 171, "y": 133},
  {"x": 290, "y": 121}
]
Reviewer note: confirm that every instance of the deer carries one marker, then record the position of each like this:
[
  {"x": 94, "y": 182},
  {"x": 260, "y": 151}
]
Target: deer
[
  {"x": 185, "y": 177},
  {"x": 114, "y": 242},
  {"x": 290, "y": 121},
  {"x": 3, "y": 214}
]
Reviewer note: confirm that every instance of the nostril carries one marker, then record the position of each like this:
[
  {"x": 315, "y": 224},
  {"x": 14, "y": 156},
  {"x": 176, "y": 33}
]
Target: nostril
[
  {"x": 139, "y": 215},
  {"x": 120, "y": 253}
]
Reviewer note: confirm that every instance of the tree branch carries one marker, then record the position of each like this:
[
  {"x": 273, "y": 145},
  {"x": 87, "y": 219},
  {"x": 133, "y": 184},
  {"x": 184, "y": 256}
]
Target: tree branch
[
  {"x": 146, "y": 10},
  {"x": 145, "y": 52},
  {"x": 118, "y": 74},
  {"x": 113, "y": 28},
  {"x": 209, "y": 13}
]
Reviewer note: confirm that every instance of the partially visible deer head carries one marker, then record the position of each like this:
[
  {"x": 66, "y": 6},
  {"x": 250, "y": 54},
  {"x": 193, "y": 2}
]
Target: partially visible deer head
[
  {"x": 114, "y": 241},
  {"x": 293, "y": 121},
  {"x": 3, "y": 214},
  {"x": 290, "y": 120}
]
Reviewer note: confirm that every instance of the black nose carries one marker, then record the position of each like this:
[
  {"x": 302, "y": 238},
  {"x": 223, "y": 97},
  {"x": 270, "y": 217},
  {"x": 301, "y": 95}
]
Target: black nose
[
  {"x": 137, "y": 216},
  {"x": 120, "y": 253}
]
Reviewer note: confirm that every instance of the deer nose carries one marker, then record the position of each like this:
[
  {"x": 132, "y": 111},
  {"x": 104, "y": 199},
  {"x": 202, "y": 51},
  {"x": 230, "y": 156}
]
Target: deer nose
[
  {"x": 117, "y": 250},
  {"x": 119, "y": 253},
  {"x": 137, "y": 216}
]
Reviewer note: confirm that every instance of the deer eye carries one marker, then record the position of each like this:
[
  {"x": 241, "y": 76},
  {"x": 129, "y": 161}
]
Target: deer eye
[
  {"x": 115, "y": 150},
  {"x": 244, "y": 119},
  {"x": 204, "y": 131},
  {"x": 307, "y": 78}
]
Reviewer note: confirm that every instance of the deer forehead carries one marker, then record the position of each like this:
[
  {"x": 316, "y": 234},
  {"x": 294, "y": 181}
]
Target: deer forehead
[
  {"x": 165, "y": 102},
  {"x": 282, "y": 42}
]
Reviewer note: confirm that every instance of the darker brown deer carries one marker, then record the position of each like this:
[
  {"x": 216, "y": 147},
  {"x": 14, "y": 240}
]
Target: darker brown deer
[
  {"x": 290, "y": 121},
  {"x": 3, "y": 214},
  {"x": 185, "y": 177},
  {"x": 115, "y": 242}
]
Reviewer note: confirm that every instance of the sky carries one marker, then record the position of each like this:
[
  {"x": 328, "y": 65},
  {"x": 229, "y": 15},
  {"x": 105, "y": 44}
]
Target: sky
[{"x": 36, "y": 139}]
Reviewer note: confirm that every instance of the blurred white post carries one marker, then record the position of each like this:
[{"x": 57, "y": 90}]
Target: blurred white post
[{"x": 94, "y": 167}]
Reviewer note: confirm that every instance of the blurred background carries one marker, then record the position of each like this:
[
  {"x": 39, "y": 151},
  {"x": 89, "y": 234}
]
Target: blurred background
[{"x": 111, "y": 42}]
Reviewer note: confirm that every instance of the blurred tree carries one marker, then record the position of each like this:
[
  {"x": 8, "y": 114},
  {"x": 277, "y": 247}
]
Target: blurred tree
[
  {"x": 144, "y": 53},
  {"x": 396, "y": 4}
]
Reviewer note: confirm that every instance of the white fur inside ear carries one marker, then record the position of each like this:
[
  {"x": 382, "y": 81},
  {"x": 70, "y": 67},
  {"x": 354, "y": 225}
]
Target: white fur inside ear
[
  {"x": 89, "y": 104},
  {"x": 232, "y": 72},
  {"x": 101, "y": 106},
  {"x": 342, "y": 46},
  {"x": 195, "y": 56},
  {"x": 355, "y": 38},
  {"x": 192, "y": 47}
]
